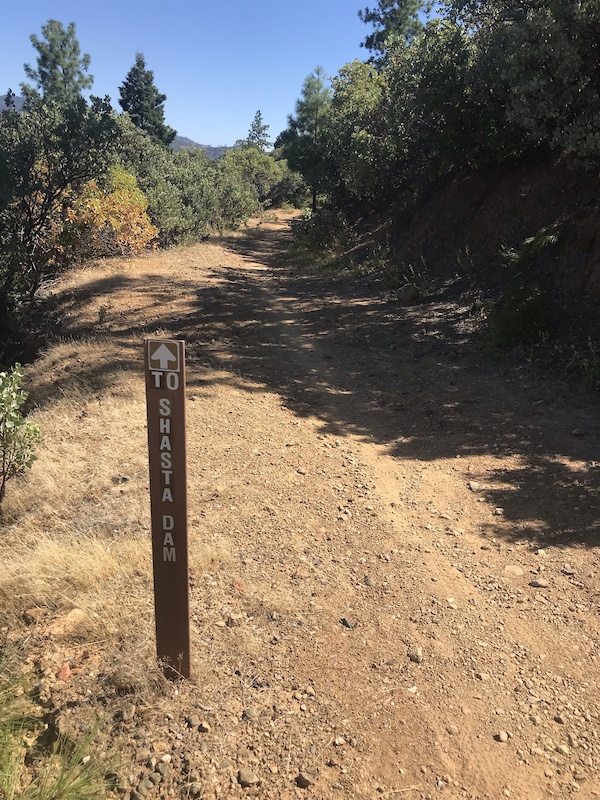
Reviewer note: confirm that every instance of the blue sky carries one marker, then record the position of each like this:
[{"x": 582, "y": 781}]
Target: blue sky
[{"x": 217, "y": 62}]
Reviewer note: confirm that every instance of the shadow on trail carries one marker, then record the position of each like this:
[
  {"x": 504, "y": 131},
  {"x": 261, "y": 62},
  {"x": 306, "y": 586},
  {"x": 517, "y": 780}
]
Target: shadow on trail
[{"x": 408, "y": 378}]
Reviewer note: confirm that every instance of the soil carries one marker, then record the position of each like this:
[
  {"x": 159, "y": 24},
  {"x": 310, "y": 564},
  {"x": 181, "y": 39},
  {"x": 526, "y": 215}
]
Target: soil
[{"x": 399, "y": 586}]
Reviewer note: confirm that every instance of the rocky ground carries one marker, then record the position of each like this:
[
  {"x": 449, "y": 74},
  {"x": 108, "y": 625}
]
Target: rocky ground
[{"x": 395, "y": 565}]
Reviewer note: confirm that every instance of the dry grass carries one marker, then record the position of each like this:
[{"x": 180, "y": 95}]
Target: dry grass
[{"x": 74, "y": 532}]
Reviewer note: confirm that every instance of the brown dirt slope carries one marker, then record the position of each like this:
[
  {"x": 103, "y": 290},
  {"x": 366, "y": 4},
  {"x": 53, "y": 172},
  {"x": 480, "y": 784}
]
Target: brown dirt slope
[{"x": 394, "y": 542}]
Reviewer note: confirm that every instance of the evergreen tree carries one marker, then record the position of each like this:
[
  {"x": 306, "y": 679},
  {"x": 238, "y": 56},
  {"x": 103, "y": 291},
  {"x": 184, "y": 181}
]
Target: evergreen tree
[
  {"x": 302, "y": 140},
  {"x": 257, "y": 135},
  {"x": 61, "y": 68},
  {"x": 144, "y": 103},
  {"x": 393, "y": 19}
]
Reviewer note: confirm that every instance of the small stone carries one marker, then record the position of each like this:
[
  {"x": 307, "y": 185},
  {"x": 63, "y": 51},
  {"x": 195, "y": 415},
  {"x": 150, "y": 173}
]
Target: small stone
[
  {"x": 513, "y": 570},
  {"x": 247, "y": 778},
  {"x": 452, "y": 730},
  {"x": 415, "y": 654},
  {"x": 155, "y": 777},
  {"x": 540, "y": 583},
  {"x": 474, "y": 486},
  {"x": 64, "y": 672},
  {"x": 482, "y": 676},
  {"x": 501, "y": 736},
  {"x": 204, "y": 727},
  {"x": 407, "y": 293},
  {"x": 339, "y": 741},
  {"x": 347, "y": 624},
  {"x": 128, "y": 712},
  {"x": 303, "y": 780},
  {"x": 559, "y": 718},
  {"x": 578, "y": 432},
  {"x": 568, "y": 570},
  {"x": 193, "y": 721},
  {"x": 69, "y": 624},
  {"x": 368, "y": 581},
  {"x": 563, "y": 749},
  {"x": 33, "y": 615},
  {"x": 121, "y": 477},
  {"x": 249, "y": 714}
]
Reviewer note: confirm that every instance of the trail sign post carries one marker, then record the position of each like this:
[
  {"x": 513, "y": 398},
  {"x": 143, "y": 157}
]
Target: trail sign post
[{"x": 165, "y": 401}]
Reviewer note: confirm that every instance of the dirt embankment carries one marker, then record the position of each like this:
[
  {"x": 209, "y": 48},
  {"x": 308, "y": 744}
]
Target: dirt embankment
[
  {"x": 394, "y": 542},
  {"x": 533, "y": 224}
]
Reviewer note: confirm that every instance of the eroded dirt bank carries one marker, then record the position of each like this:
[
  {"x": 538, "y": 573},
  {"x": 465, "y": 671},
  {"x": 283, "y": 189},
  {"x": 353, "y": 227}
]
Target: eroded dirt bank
[{"x": 394, "y": 542}]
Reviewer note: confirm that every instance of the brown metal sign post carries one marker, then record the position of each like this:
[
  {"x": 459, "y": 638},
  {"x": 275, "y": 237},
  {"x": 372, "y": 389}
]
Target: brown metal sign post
[{"x": 165, "y": 400}]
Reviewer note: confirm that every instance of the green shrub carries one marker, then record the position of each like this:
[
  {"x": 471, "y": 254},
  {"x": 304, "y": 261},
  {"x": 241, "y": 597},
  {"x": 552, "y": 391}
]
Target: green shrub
[
  {"x": 523, "y": 318},
  {"x": 17, "y": 437}
]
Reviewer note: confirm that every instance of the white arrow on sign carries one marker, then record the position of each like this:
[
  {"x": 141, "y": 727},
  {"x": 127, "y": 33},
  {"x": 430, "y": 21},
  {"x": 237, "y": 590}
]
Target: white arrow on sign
[{"x": 163, "y": 355}]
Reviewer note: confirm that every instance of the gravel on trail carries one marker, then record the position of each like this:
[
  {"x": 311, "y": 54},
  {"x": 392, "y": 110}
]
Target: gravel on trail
[{"x": 403, "y": 593}]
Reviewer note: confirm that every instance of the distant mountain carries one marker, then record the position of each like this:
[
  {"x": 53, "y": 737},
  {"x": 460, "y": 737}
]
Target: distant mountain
[
  {"x": 182, "y": 143},
  {"x": 17, "y": 100}
]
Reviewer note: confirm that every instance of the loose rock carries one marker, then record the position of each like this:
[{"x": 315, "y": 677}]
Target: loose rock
[
  {"x": 247, "y": 778},
  {"x": 303, "y": 780}
]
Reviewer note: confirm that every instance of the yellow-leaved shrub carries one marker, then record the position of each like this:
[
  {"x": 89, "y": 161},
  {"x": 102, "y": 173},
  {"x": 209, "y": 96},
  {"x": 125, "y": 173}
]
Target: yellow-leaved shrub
[{"x": 110, "y": 221}]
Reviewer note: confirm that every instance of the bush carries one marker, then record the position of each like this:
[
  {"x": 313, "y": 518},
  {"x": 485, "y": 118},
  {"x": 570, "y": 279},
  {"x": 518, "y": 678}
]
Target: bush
[
  {"x": 522, "y": 319},
  {"x": 17, "y": 437},
  {"x": 111, "y": 221}
]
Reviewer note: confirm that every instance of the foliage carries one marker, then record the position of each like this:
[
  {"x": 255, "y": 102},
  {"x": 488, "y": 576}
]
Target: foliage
[
  {"x": 17, "y": 437},
  {"x": 255, "y": 168},
  {"x": 524, "y": 255},
  {"x": 144, "y": 103},
  {"x": 482, "y": 82},
  {"x": 393, "y": 20},
  {"x": 179, "y": 188},
  {"x": 257, "y": 135},
  {"x": 290, "y": 189},
  {"x": 109, "y": 221},
  {"x": 522, "y": 319},
  {"x": 47, "y": 153},
  {"x": 66, "y": 772},
  {"x": 326, "y": 233},
  {"x": 302, "y": 141},
  {"x": 189, "y": 196},
  {"x": 355, "y": 133},
  {"x": 61, "y": 68}
]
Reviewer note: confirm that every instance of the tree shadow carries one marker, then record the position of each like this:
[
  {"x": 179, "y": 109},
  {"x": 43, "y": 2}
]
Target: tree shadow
[{"x": 410, "y": 378}]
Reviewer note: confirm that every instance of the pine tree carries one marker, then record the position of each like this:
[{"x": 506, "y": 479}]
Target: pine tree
[
  {"x": 393, "y": 19},
  {"x": 144, "y": 103},
  {"x": 301, "y": 142},
  {"x": 257, "y": 135},
  {"x": 61, "y": 68}
]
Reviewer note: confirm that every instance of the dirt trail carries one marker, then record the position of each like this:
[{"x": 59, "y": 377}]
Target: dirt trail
[{"x": 401, "y": 595}]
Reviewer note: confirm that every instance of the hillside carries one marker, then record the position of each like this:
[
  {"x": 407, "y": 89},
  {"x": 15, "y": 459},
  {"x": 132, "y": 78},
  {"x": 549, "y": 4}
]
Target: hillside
[
  {"x": 393, "y": 542},
  {"x": 494, "y": 240},
  {"x": 182, "y": 142}
]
